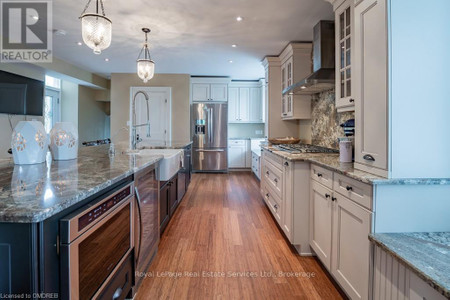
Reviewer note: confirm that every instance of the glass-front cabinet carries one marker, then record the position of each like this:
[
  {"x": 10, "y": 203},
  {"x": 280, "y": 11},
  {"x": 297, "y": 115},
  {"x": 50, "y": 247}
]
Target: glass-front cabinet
[{"x": 344, "y": 42}]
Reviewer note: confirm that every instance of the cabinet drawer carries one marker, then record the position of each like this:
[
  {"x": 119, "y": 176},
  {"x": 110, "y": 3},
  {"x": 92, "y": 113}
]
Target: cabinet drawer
[
  {"x": 276, "y": 160},
  {"x": 274, "y": 178},
  {"x": 322, "y": 176},
  {"x": 357, "y": 191},
  {"x": 274, "y": 203},
  {"x": 236, "y": 142}
]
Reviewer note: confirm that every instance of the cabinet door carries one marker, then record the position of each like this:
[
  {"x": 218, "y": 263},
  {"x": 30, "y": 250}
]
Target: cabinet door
[
  {"x": 233, "y": 105},
  {"x": 236, "y": 156},
  {"x": 289, "y": 79},
  {"x": 371, "y": 84},
  {"x": 173, "y": 195},
  {"x": 248, "y": 154},
  {"x": 351, "y": 247},
  {"x": 344, "y": 43},
  {"x": 244, "y": 104},
  {"x": 256, "y": 114},
  {"x": 219, "y": 92},
  {"x": 163, "y": 207},
  {"x": 320, "y": 214},
  {"x": 200, "y": 92}
]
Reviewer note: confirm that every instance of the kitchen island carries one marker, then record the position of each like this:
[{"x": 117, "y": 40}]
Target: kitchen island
[{"x": 35, "y": 200}]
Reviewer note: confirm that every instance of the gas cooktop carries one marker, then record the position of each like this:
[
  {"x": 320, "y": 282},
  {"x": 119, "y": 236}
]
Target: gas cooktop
[{"x": 304, "y": 148}]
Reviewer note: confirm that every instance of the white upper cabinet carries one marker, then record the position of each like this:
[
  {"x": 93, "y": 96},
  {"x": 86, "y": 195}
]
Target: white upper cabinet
[
  {"x": 371, "y": 87},
  {"x": 344, "y": 30},
  {"x": 245, "y": 103},
  {"x": 295, "y": 65},
  {"x": 205, "y": 89}
]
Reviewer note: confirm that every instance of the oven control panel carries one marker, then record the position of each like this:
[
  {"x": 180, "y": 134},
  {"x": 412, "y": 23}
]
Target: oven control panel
[{"x": 101, "y": 209}]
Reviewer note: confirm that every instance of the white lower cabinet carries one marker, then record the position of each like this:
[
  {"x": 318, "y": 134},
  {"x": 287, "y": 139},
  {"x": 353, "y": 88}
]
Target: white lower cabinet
[
  {"x": 350, "y": 254},
  {"x": 340, "y": 225},
  {"x": 288, "y": 182},
  {"x": 239, "y": 154},
  {"x": 395, "y": 281},
  {"x": 256, "y": 165},
  {"x": 320, "y": 222}
]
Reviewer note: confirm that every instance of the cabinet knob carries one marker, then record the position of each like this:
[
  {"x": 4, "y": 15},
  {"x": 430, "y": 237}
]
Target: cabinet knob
[
  {"x": 319, "y": 174},
  {"x": 348, "y": 188},
  {"x": 275, "y": 206},
  {"x": 276, "y": 180},
  {"x": 267, "y": 195},
  {"x": 267, "y": 172},
  {"x": 327, "y": 196},
  {"x": 351, "y": 100},
  {"x": 333, "y": 198},
  {"x": 286, "y": 164}
]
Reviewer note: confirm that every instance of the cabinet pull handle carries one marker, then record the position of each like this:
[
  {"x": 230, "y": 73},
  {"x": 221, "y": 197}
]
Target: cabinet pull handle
[
  {"x": 333, "y": 198},
  {"x": 327, "y": 195},
  {"x": 348, "y": 188},
  {"x": 319, "y": 174},
  {"x": 286, "y": 164},
  {"x": 267, "y": 195},
  {"x": 275, "y": 206},
  {"x": 276, "y": 180},
  {"x": 267, "y": 172},
  {"x": 369, "y": 157},
  {"x": 138, "y": 202},
  {"x": 351, "y": 100}
]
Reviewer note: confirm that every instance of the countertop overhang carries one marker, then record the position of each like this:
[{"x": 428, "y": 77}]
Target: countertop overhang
[{"x": 33, "y": 193}]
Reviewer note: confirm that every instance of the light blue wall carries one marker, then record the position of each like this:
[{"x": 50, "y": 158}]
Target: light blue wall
[{"x": 420, "y": 93}]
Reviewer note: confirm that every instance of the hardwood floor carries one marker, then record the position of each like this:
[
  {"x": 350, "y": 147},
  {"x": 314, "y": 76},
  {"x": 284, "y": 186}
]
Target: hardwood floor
[{"x": 222, "y": 225}]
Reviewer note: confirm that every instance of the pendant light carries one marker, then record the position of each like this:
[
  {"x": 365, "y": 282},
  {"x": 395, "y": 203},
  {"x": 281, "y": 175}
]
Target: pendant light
[
  {"x": 145, "y": 66},
  {"x": 96, "y": 28}
]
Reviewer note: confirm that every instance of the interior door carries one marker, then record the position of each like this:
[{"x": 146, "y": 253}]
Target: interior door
[{"x": 159, "y": 113}]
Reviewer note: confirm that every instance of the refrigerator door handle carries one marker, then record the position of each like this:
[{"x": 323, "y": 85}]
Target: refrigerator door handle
[
  {"x": 209, "y": 150},
  {"x": 210, "y": 126}
]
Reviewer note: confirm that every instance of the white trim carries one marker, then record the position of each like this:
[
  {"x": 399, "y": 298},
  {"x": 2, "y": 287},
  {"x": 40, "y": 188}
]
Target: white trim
[{"x": 148, "y": 89}]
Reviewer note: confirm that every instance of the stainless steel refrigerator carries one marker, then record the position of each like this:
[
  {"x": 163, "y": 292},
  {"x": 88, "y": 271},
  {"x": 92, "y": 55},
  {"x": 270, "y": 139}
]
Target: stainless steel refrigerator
[{"x": 210, "y": 137}]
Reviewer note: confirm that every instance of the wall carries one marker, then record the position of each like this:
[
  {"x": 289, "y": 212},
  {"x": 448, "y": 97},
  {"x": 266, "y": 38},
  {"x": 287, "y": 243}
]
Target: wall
[
  {"x": 69, "y": 102},
  {"x": 323, "y": 129},
  {"x": 92, "y": 117},
  {"x": 245, "y": 130},
  {"x": 120, "y": 102}
]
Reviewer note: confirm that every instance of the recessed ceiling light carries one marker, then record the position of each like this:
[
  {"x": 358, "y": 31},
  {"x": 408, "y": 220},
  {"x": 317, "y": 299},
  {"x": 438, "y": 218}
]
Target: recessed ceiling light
[
  {"x": 79, "y": 43},
  {"x": 239, "y": 18},
  {"x": 303, "y": 87},
  {"x": 106, "y": 59},
  {"x": 230, "y": 61},
  {"x": 234, "y": 45},
  {"x": 35, "y": 17}
]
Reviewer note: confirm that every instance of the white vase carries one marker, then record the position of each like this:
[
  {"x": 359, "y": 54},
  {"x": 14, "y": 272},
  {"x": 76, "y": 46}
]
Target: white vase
[
  {"x": 29, "y": 143},
  {"x": 64, "y": 141}
]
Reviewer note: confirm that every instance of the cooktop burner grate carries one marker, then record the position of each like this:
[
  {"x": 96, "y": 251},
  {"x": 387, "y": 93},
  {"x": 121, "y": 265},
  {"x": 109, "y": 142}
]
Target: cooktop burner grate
[{"x": 304, "y": 148}]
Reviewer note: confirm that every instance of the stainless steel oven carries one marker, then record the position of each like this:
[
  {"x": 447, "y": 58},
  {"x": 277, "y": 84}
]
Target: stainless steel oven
[{"x": 97, "y": 248}]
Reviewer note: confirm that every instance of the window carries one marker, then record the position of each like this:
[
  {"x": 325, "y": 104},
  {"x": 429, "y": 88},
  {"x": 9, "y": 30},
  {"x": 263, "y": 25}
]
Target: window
[{"x": 52, "y": 104}]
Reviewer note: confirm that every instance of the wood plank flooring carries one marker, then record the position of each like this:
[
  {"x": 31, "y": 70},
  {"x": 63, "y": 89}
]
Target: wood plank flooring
[{"x": 222, "y": 225}]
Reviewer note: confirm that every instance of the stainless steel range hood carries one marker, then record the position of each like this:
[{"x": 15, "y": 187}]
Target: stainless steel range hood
[{"x": 323, "y": 76}]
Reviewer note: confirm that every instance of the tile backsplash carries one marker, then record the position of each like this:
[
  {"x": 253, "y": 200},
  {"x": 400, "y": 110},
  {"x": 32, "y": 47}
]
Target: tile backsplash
[{"x": 325, "y": 121}]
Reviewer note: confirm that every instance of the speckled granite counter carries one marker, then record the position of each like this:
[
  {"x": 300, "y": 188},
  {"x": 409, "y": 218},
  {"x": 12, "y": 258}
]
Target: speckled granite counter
[
  {"x": 331, "y": 161},
  {"x": 165, "y": 145},
  {"x": 32, "y": 193},
  {"x": 426, "y": 254}
]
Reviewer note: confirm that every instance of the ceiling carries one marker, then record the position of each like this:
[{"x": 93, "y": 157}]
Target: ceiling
[{"x": 190, "y": 36}]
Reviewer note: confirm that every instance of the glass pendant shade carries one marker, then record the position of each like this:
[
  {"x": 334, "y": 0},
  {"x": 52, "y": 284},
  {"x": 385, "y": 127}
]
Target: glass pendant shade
[
  {"x": 145, "y": 65},
  {"x": 96, "y": 29},
  {"x": 145, "y": 69}
]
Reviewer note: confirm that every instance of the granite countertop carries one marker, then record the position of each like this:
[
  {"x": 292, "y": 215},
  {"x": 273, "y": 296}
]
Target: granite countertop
[
  {"x": 239, "y": 138},
  {"x": 175, "y": 144},
  {"x": 331, "y": 162},
  {"x": 426, "y": 254},
  {"x": 33, "y": 193}
]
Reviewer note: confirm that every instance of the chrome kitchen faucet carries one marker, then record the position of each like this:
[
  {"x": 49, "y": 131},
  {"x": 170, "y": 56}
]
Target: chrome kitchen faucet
[{"x": 134, "y": 137}]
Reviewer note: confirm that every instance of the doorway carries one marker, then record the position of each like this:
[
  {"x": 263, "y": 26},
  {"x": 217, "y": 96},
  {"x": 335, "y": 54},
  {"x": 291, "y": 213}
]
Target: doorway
[
  {"x": 160, "y": 113},
  {"x": 52, "y": 108}
]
